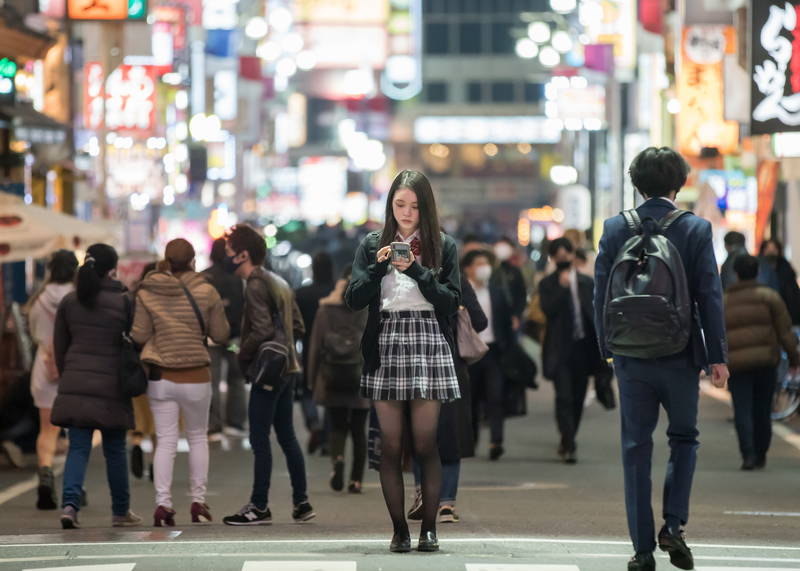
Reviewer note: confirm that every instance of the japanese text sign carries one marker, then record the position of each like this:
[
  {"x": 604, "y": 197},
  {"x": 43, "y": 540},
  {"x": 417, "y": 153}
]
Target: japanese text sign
[{"x": 130, "y": 99}]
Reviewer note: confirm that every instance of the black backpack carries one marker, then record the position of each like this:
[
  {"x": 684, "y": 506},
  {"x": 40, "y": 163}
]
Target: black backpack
[
  {"x": 341, "y": 357},
  {"x": 648, "y": 311}
]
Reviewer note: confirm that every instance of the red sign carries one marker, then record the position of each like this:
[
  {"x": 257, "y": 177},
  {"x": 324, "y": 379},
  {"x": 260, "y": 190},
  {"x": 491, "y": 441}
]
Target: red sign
[{"x": 130, "y": 99}]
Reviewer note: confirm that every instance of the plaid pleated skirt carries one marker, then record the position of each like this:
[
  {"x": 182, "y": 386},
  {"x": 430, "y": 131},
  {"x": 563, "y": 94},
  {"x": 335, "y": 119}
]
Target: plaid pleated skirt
[{"x": 416, "y": 362}]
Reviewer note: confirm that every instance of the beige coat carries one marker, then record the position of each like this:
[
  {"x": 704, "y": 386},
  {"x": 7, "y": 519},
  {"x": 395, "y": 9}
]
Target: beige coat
[{"x": 166, "y": 325}]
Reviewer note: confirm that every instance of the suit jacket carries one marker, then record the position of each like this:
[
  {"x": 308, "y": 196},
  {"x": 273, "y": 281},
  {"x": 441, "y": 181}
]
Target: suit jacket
[
  {"x": 692, "y": 237},
  {"x": 556, "y": 302}
]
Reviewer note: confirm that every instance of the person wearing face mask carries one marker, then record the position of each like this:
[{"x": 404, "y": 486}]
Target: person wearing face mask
[
  {"x": 510, "y": 278},
  {"x": 176, "y": 310},
  {"x": 771, "y": 253},
  {"x": 486, "y": 376},
  {"x": 570, "y": 354}
]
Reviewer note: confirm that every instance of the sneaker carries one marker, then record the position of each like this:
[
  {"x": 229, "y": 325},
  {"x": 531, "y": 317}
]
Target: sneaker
[
  {"x": 235, "y": 432},
  {"x": 137, "y": 461},
  {"x": 46, "y": 492},
  {"x": 13, "y": 453},
  {"x": 249, "y": 515},
  {"x": 303, "y": 512},
  {"x": 215, "y": 436},
  {"x": 447, "y": 514},
  {"x": 415, "y": 513},
  {"x": 69, "y": 518},
  {"x": 130, "y": 519}
]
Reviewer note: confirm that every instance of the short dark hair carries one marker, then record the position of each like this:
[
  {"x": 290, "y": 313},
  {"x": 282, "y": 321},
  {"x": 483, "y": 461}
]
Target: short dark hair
[
  {"x": 775, "y": 242},
  {"x": 217, "y": 255},
  {"x": 322, "y": 268},
  {"x": 558, "y": 244},
  {"x": 746, "y": 267},
  {"x": 735, "y": 239},
  {"x": 244, "y": 237},
  {"x": 470, "y": 257},
  {"x": 658, "y": 172},
  {"x": 63, "y": 265}
]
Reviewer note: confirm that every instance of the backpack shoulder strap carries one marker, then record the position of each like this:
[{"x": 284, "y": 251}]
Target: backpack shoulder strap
[
  {"x": 633, "y": 220},
  {"x": 671, "y": 218}
]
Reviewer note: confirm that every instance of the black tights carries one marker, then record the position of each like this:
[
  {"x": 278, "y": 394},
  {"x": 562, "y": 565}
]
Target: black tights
[
  {"x": 349, "y": 420},
  {"x": 424, "y": 420}
]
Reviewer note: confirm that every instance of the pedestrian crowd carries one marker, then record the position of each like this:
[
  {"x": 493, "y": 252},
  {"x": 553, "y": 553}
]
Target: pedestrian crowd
[{"x": 409, "y": 350}]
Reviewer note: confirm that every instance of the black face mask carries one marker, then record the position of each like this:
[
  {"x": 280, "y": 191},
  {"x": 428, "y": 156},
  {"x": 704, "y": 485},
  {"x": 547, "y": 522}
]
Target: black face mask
[
  {"x": 231, "y": 266},
  {"x": 561, "y": 266}
]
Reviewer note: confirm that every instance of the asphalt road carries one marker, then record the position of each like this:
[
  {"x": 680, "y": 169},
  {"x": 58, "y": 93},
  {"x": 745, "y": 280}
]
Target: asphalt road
[{"x": 527, "y": 512}]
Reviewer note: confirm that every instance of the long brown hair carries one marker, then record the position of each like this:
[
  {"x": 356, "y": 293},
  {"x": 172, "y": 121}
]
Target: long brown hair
[{"x": 429, "y": 235}]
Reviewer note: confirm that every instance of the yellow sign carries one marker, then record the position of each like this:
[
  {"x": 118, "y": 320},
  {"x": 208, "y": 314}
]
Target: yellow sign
[
  {"x": 701, "y": 121},
  {"x": 97, "y": 9},
  {"x": 342, "y": 12}
]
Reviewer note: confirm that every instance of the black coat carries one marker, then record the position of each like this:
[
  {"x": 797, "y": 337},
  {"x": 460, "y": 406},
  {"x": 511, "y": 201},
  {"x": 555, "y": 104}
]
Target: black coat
[
  {"x": 456, "y": 440},
  {"x": 787, "y": 283},
  {"x": 442, "y": 288},
  {"x": 87, "y": 344},
  {"x": 307, "y": 298},
  {"x": 231, "y": 290},
  {"x": 510, "y": 277},
  {"x": 557, "y": 305}
]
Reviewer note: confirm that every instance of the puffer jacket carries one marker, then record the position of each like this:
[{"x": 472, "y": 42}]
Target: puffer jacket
[
  {"x": 758, "y": 327},
  {"x": 167, "y": 328},
  {"x": 86, "y": 345}
]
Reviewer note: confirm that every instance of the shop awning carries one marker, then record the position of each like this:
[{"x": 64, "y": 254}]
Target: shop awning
[
  {"x": 31, "y": 231},
  {"x": 32, "y": 126},
  {"x": 18, "y": 41}
]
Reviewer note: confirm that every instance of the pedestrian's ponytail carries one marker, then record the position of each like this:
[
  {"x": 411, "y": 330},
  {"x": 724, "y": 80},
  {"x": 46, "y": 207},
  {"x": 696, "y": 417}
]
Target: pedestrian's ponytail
[{"x": 100, "y": 260}]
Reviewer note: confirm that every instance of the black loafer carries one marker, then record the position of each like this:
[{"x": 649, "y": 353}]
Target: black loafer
[
  {"x": 674, "y": 545},
  {"x": 642, "y": 562},
  {"x": 400, "y": 544},
  {"x": 428, "y": 542}
]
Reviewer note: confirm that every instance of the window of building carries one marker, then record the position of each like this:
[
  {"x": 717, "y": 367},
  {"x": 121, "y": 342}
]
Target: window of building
[
  {"x": 502, "y": 40},
  {"x": 532, "y": 92},
  {"x": 474, "y": 92},
  {"x": 437, "y": 38},
  {"x": 470, "y": 38},
  {"x": 436, "y": 92},
  {"x": 502, "y": 92}
]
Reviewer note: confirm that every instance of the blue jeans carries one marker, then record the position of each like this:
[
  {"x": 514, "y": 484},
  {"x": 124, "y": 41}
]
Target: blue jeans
[
  {"x": 644, "y": 387},
  {"x": 451, "y": 472},
  {"x": 80, "y": 446},
  {"x": 268, "y": 409}
]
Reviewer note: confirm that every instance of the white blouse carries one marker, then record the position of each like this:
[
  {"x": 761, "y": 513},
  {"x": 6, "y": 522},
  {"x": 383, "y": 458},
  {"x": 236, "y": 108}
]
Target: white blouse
[{"x": 400, "y": 292}]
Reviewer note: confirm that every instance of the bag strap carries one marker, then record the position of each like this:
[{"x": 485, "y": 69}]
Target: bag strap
[
  {"x": 197, "y": 313},
  {"x": 671, "y": 218},
  {"x": 130, "y": 312},
  {"x": 633, "y": 220}
]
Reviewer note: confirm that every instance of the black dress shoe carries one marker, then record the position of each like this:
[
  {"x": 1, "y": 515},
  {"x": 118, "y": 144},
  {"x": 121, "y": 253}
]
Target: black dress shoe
[
  {"x": 748, "y": 464},
  {"x": 428, "y": 542},
  {"x": 673, "y": 543},
  {"x": 761, "y": 463},
  {"x": 400, "y": 543},
  {"x": 496, "y": 451},
  {"x": 642, "y": 562}
]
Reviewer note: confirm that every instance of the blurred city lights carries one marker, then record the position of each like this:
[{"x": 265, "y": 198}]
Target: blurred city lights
[
  {"x": 490, "y": 149},
  {"x": 549, "y": 57},
  {"x": 563, "y": 175},
  {"x": 181, "y": 100},
  {"x": 286, "y": 67},
  {"x": 539, "y": 32},
  {"x": 281, "y": 19},
  {"x": 303, "y": 261},
  {"x": 270, "y": 230},
  {"x": 256, "y": 28},
  {"x": 562, "y": 42},
  {"x": 526, "y": 48},
  {"x": 563, "y": 6},
  {"x": 306, "y": 60},
  {"x": 674, "y": 106},
  {"x": 292, "y": 43},
  {"x": 269, "y": 51}
]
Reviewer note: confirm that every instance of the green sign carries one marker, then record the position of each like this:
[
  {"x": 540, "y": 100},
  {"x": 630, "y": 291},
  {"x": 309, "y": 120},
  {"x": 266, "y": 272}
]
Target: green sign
[
  {"x": 8, "y": 68},
  {"x": 137, "y": 9}
]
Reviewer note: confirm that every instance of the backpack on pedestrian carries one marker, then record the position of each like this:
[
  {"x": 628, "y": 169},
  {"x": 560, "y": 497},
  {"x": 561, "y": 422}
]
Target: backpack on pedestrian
[
  {"x": 341, "y": 358},
  {"x": 648, "y": 310}
]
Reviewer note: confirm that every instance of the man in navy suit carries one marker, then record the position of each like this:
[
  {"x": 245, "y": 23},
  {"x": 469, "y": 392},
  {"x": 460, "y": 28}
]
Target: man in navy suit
[{"x": 671, "y": 382}]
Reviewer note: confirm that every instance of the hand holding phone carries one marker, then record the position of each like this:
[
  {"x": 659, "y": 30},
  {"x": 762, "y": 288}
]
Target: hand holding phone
[{"x": 402, "y": 257}]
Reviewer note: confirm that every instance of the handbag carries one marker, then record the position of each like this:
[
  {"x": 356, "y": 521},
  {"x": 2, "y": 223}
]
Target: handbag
[
  {"x": 131, "y": 378},
  {"x": 470, "y": 345},
  {"x": 268, "y": 369},
  {"x": 518, "y": 367}
]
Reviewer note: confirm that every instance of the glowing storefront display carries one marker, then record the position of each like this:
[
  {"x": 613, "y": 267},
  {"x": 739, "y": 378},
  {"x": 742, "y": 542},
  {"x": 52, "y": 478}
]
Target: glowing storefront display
[
  {"x": 511, "y": 129},
  {"x": 350, "y": 12},
  {"x": 701, "y": 121},
  {"x": 775, "y": 66},
  {"x": 613, "y": 22},
  {"x": 107, "y": 9},
  {"x": 323, "y": 186},
  {"x": 130, "y": 93}
]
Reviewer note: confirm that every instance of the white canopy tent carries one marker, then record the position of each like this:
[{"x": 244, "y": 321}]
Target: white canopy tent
[{"x": 31, "y": 231}]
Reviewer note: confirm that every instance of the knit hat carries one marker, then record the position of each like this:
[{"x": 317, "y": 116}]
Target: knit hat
[{"x": 179, "y": 254}]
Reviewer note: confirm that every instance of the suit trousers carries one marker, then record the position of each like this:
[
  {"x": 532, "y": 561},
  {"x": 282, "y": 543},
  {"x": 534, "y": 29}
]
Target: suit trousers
[
  {"x": 570, "y": 383},
  {"x": 644, "y": 387},
  {"x": 752, "y": 393}
]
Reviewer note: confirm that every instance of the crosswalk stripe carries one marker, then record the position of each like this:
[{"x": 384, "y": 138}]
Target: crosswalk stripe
[
  {"x": 111, "y": 567},
  {"x": 518, "y": 567},
  {"x": 746, "y": 568},
  {"x": 299, "y": 566}
]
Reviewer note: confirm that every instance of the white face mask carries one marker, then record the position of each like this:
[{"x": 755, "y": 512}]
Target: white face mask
[
  {"x": 483, "y": 273},
  {"x": 503, "y": 251}
]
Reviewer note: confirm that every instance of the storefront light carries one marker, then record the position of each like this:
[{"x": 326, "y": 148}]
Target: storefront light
[
  {"x": 563, "y": 6},
  {"x": 172, "y": 78},
  {"x": 181, "y": 100},
  {"x": 562, "y": 42},
  {"x": 281, "y": 19},
  {"x": 292, "y": 43},
  {"x": 674, "y": 106},
  {"x": 181, "y": 153},
  {"x": 592, "y": 124},
  {"x": 563, "y": 175},
  {"x": 303, "y": 261},
  {"x": 256, "y": 28},
  {"x": 181, "y": 131},
  {"x": 181, "y": 183},
  {"x": 226, "y": 190},
  {"x": 269, "y": 51},
  {"x": 306, "y": 60},
  {"x": 573, "y": 124},
  {"x": 579, "y": 82},
  {"x": 139, "y": 201},
  {"x": 549, "y": 57},
  {"x": 526, "y": 48},
  {"x": 539, "y": 32},
  {"x": 490, "y": 149},
  {"x": 168, "y": 196},
  {"x": 286, "y": 67},
  {"x": 270, "y": 230}
]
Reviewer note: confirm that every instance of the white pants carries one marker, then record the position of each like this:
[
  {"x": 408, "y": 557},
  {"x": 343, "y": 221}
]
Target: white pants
[{"x": 167, "y": 401}]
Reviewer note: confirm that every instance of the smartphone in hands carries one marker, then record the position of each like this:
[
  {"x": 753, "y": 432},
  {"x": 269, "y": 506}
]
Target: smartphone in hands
[{"x": 401, "y": 252}]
